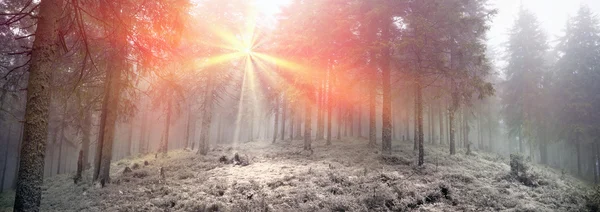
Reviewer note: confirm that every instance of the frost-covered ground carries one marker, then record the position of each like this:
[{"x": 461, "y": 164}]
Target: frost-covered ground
[{"x": 346, "y": 176}]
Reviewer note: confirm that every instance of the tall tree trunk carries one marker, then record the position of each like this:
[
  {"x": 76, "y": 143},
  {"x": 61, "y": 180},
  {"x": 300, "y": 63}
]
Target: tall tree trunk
[
  {"x": 108, "y": 116},
  {"x": 164, "y": 147},
  {"x": 129, "y": 141},
  {"x": 276, "y": 124},
  {"x": 578, "y": 148},
  {"x": 61, "y": 137},
  {"x": 406, "y": 124},
  {"x": 416, "y": 120},
  {"x": 339, "y": 122},
  {"x": 292, "y": 117},
  {"x": 543, "y": 148},
  {"x": 490, "y": 142},
  {"x": 283, "y": 114},
  {"x": 597, "y": 161},
  {"x": 420, "y": 121},
  {"x": 320, "y": 103},
  {"x": 451, "y": 125},
  {"x": 220, "y": 130},
  {"x": 206, "y": 117},
  {"x": 351, "y": 122},
  {"x": 143, "y": 131},
  {"x": 7, "y": 140},
  {"x": 307, "y": 126},
  {"x": 187, "y": 126},
  {"x": 441, "y": 109},
  {"x": 386, "y": 116},
  {"x": 85, "y": 140},
  {"x": 329, "y": 106},
  {"x": 372, "y": 104},
  {"x": 298, "y": 114},
  {"x": 44, "y": 53},
  {"x": 359, "y": 115},
  {"x": 467, "y": 130},
  {"x": 521, "y": 140}
]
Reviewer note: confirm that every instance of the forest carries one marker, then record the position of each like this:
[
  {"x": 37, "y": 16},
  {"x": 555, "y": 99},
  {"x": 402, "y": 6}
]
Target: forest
[{"x": 297, "y": 105}]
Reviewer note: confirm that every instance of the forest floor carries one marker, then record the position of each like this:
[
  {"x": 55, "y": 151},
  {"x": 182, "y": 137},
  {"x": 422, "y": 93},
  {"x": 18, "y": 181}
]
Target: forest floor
[{"x": 346, "y": 176}]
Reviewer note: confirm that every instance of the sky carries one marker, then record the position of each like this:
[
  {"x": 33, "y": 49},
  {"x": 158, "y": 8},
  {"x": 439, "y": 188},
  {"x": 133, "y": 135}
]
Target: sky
[{"x": 552, "y": 14}]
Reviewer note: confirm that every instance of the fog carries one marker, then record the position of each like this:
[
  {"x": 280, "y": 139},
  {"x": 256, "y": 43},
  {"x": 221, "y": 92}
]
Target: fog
[{"x": 93, "y": 90}]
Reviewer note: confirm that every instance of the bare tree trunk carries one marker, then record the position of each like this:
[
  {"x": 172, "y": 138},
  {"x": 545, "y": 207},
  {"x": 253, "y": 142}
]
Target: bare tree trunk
[
  {"x": 206, "y": 117},
  {"x": 416, "y": 120},
  {"x": 283, "y": 114},
  {"x": 406, "y": 124},
  {"x": 220, "y": 130},
  {"x": 386, "y": 116},
  {"x": 292, "y": 117},
  {"x": 451, "y": 124},
  {"x": 351, "y": 122},
  {"x": 441, "y": 109},
  {"x": 339, "y": 122},
  {"x": 578, "y": 148},
  {"x": 307, "y": 126},
  {"x": 298, "y": 114},
  {"x": 142, "y": 142},
  {"x": 129, "y": 141},
  {"x": 31, "y": 162},
  {"x": 60, "y": 147},
  {"x": 421, "y": 160},
  {"x": 7, "y": 139},
  {"x": 108, "y": 116},
  {"x": 329, "y": 106},
  {"x": 164, "y": 147},
  {"x": 85, "y": 140},
  {"x": 276, "y": 124},
  {"x": 187, "y": 127},
  {"x": 490, "y": 142}
]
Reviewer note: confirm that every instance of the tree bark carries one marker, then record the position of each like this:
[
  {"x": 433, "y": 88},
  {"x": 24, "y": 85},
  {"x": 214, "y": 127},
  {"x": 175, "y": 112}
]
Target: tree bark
[
  {"x": 283, "y": 114},
  {"x": 292, "y": 117},
  {"x": 142, "y": 143},
  {"x": 467, "y": 130},
  {"x": 421, "y": 160},
  {"x": 276, "y": 124},
  {"x": 7, "y": 140},
  {"x": 207, "y": 117},
  {"x": 298, "y": 114},
  {"x": 307, "y": 126},
  {"x": 441, "y": 108},
  {"x": 129, "y": 141},
  {"x": 416, "y": 120},
  {"x": 164, "y": 147},
  {"x": 578, "y": 148},
  {"x": 329, "y": 105},
  {"x": 61, "y": 136},
  {"x": 386, "y": 116},
  {"x": 108, "y": 116},
  {"x": 451, "y": 124},
  {"x": 187, "y": 127},
  {"x": 44, "y": 52},
  {"x": 85, "y": 140}
]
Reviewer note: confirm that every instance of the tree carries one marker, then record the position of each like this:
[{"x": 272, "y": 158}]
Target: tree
[
  {"x": 526, "y": 52},
  {"x": 577, "y": 80},
  {"x": 44, "y": 53}
]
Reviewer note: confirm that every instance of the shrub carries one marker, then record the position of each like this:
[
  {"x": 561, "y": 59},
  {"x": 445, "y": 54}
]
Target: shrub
[
  {"x": 593, "y": 199},
  {"x": 518, "y": 167}
]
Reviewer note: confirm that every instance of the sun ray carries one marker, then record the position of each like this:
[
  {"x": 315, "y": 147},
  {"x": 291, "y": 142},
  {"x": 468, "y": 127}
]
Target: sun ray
[
  {"x": 286, "y": 64},
  {"x": 219, "y": 59}
]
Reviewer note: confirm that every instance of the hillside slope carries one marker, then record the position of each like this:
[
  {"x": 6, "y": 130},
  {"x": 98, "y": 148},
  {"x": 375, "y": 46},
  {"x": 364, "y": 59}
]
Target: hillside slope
[{"x": 346, "y": 176}]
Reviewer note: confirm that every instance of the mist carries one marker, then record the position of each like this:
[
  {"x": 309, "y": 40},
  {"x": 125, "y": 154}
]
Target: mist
[{"x": 333, "y": 105}]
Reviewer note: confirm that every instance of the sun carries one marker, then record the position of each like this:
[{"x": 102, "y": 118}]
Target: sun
[{"x": 247, "y": 51}]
